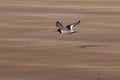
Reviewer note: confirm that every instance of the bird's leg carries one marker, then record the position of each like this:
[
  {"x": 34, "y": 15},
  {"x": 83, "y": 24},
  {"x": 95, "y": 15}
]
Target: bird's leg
[{"x": 61, "y": 37}]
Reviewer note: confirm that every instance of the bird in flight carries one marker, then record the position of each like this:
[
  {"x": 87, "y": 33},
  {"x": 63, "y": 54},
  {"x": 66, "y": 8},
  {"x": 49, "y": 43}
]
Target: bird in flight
[{"x": 66, "y": 30}]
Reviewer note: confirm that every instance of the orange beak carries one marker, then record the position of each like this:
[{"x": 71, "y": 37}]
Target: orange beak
[{"x": 55, "y": 31}]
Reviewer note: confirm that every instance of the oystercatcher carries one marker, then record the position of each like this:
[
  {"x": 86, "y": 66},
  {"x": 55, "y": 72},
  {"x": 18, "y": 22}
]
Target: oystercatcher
[{"x": 66, "y": 30}]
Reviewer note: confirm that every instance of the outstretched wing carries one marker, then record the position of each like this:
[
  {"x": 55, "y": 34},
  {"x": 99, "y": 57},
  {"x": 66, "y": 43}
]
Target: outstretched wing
[
  {"x": 59, "y": 25},
  {"x": 70, "y": 27}
]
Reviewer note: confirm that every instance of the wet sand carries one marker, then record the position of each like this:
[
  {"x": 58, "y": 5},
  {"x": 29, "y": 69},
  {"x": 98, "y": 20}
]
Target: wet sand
[{"x": 31, "y": 50}]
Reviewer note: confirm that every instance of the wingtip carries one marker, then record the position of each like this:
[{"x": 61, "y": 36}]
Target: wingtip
[
  {"x": 57, "y": 21},
  {"x": 79, "y": 21}
]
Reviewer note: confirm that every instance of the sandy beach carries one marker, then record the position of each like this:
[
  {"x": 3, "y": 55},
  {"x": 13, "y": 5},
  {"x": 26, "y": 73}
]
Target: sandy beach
[{"x": 31, "y": 50}]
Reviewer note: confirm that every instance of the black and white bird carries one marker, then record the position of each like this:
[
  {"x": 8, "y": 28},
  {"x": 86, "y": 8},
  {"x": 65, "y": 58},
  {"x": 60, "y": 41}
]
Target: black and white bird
[{"x": 66, "y": 30}]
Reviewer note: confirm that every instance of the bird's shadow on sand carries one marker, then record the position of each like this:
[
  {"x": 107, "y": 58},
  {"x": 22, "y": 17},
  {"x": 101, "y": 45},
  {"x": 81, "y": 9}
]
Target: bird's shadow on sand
[{"x": 87, "y": 46}]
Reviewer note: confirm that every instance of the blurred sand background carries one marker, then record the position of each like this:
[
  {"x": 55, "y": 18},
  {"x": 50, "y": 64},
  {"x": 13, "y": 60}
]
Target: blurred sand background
[{"x": 30, "y": 50}]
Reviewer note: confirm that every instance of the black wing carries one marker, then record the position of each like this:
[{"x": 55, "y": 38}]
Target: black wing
[
  {"x": 59, "y": 25},
  {"x": 72, "y": 25}
]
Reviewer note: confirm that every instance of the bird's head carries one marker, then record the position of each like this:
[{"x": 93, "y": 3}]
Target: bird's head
[{"x": 58, "y": 30}]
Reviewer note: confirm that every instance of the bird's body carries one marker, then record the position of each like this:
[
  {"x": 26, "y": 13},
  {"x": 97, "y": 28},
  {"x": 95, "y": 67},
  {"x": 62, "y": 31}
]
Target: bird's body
[{"x": 66, "y": 30}]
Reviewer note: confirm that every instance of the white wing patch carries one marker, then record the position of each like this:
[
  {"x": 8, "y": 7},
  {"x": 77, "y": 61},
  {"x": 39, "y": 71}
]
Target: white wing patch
[{"x": 71, "y": 27}]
